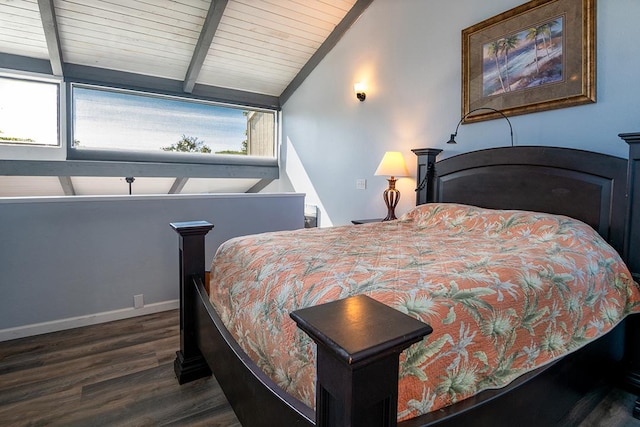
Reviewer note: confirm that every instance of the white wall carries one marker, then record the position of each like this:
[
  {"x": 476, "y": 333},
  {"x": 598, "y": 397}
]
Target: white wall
[
  {"x": 70, "y": 261},
  {"x": 409, "y": 52}
]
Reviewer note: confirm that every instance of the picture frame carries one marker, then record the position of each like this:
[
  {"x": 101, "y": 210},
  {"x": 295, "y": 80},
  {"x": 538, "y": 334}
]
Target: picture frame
[{"x": 535, "y": 57}]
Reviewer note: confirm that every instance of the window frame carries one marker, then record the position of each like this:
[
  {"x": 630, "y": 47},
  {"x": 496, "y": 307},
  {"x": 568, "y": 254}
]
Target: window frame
[
  {"x": 114, "y": 155},
  {"x": 55, "y": 161},
  {"x": 35, "y": 151}
]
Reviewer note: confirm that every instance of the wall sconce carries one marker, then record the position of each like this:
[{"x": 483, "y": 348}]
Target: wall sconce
[
  {"x": 359, "y": 89},
  {"x": 392, "y": 165},
  {"x": 452, "y": 140}
]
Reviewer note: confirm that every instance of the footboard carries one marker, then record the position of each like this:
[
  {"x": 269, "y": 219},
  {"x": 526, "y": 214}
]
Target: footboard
[
  {"x": 359, "y": 343},
  {"x": 205, "y": 343}
]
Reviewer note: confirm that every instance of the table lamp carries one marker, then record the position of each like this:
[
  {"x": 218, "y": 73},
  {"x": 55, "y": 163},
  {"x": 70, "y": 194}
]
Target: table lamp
[{"x": 392, "y": 165}]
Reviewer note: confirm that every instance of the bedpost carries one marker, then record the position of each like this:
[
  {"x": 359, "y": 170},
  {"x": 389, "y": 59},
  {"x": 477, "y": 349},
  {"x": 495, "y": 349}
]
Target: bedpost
[
  {"x": 359, "y": 343},
  {"x": 632, "y": 258},
  {"x": 426, "y": 191},
  {"x": 189, "y": 364},
  {"x": 632, "y": 244}
]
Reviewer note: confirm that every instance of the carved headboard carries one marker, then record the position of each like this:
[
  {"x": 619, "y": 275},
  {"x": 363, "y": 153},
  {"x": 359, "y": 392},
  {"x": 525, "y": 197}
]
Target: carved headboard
[{"x": 585, "y": 185}]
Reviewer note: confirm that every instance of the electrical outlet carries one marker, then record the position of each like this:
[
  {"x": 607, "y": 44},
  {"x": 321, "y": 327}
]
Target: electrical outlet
[
  {"x": 138, "y": 301},
  {"x": 361, "y": 184}
]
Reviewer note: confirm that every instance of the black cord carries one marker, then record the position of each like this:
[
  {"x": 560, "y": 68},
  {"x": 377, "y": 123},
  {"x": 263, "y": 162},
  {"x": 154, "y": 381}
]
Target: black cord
[
  {"x": 424, "y": 181},
  {"x": 453, "y": 135}
]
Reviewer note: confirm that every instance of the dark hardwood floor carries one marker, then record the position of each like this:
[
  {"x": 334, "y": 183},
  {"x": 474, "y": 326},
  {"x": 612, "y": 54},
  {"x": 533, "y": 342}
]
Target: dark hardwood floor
[
  {"x": 113, "y": 374},
  {"x": 121, "y": 374}
]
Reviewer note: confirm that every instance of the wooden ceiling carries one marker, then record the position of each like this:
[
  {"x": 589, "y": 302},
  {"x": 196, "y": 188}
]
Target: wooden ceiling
[{"x": 264, "y": 47}]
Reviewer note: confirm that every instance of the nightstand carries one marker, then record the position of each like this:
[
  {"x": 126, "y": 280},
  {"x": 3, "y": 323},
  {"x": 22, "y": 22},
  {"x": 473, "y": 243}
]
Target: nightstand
[{"x": 365, "y": 221}]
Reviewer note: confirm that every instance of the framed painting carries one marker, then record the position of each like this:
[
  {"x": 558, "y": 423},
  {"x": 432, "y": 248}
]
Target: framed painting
[{"x": 537, "y": 56}]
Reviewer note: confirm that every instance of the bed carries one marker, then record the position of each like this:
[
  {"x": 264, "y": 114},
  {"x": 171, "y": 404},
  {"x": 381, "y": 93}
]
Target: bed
[{"x": 588, "y": 186}]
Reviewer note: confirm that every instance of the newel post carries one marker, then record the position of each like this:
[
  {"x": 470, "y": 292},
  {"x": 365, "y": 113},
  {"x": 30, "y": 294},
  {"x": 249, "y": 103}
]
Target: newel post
[{"x": 189, "y": 364}]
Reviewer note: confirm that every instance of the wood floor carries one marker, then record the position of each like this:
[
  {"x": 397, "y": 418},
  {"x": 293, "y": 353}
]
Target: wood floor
[
  {"x": 121, "y": 374},
  {"x": 114, "y": 374}
]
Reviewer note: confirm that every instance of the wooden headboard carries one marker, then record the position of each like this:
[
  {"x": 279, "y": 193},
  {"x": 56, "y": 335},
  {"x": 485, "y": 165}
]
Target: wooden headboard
[{"x": 585, "y": 185}]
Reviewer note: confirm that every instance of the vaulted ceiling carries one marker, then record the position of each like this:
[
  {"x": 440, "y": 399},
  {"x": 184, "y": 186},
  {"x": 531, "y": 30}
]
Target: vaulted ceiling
[
  {"x": 249, "y": 52},
  {"x": 242, "y": 47}
]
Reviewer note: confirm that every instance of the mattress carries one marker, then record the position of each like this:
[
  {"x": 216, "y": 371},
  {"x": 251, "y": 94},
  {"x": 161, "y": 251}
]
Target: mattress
[{"x": 505, "y": 292}]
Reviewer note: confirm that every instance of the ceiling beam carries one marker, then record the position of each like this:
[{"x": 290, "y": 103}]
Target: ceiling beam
[
  {"x": 211, "y": 22},
  {"x": 259, "y": 186},
  {"x": 23, "y": 63},
  {"x": 178, "y": 185},
  {"x": 358, "y": 8},
  {"x": 51, "y": 34},
  {"x": 67, "y": 185},
  {"x": 74, "y": 73},
  {"x": 120, "y": 79}
]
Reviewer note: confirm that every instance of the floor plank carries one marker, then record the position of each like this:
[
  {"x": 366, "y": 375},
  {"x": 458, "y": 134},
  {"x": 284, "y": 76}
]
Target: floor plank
[
  {"x": 113, "y": 374},
  {"x": 121, "y": 374}
]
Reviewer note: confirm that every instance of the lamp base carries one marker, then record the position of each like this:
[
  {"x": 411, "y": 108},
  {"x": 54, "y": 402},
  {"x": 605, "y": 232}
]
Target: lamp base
[
  {"x": 391, "y": 197},
  {"x": 389, "y": 218}
]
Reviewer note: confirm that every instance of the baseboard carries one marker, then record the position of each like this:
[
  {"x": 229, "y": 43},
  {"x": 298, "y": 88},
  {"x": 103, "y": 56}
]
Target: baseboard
[{"x": 89, "y": 319}]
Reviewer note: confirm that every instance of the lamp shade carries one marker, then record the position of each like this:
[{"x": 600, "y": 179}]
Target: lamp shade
[{"x": 392, "y": 164}]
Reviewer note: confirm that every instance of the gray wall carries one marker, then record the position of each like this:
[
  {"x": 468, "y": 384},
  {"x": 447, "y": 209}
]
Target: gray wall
[
  {"x": 409, "y": 54},
  {"x": 67, "y": 257}
]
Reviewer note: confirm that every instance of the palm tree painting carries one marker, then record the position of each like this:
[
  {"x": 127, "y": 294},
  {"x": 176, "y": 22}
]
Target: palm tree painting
[{"x": 530, "y": 58}]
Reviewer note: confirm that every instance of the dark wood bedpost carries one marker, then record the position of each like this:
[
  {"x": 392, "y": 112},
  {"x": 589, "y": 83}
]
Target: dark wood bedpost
[
  {"x": 359, "y": 343},
  {"x": 632, "y": 258},
  {"x": 632, "y": 244},
  {"x": 425, "y": 192},
  {"x": 190, "y": 364}
]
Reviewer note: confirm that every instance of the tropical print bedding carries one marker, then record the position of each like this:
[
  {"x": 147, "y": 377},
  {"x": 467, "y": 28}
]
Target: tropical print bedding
[{"x": 505, "y": 292}]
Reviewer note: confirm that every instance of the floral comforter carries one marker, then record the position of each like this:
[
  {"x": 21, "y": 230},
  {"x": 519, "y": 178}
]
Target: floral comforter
[{"x": 505, "y": 292}]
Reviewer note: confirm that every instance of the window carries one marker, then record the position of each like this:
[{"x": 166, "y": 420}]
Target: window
[
  {"x": 125, "y": 121},
  {"x": 60, "y": 138},
  {"x": 29, "y": 113}
]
